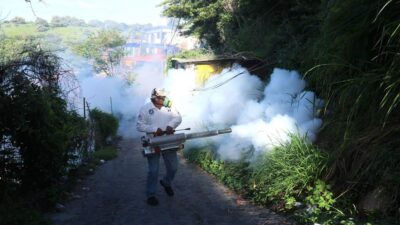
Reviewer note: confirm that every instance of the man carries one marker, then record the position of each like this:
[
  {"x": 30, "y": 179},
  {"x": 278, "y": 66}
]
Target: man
[{"x": 157, "y": 118}]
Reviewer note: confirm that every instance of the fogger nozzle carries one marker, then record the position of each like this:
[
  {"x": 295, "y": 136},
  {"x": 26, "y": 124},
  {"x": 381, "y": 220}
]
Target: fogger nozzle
[
  {"x": 176, "y": 141},
  {"x": 208, "y": 133},
  {"x": 182, "y": 137}
]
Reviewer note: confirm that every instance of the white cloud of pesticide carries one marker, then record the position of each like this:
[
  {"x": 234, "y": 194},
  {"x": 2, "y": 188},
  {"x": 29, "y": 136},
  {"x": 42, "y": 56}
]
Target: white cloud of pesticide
[
  {"x": 114, "y": 94},
  {"x": 260, "y": 116}
]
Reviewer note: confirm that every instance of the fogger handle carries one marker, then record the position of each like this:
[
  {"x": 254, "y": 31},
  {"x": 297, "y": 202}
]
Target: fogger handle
[{"x": 165, "y": 132}]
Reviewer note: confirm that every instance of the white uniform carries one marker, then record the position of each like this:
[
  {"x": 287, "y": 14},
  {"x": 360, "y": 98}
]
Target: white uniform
[{"x": 151, "y": 118}]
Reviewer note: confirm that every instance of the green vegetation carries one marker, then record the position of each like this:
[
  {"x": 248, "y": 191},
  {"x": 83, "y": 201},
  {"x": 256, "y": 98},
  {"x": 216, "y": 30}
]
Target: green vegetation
[
  {"x": 101, "y": 154},
  {"x": 105, "y": 48},
  {"x": 20, "y": 30},
  {"x": 40, "y": 137},
  {"x": 285, "y": 179},
  {"x": 233, "y": 174},
  {"x": 38, "y": 133},
  {"x": 195, "y": 53},
  {"x": 41, "y": 140},
  {"x": 34, "y": 116},
  {"x": 106, "y": 126},
  {"x": 252, "y": 28},
  {"x": 349, "y": 53},
  {"x": 106, "y": 153},
  {"x": 69, "y": 35},
  {"x": 287, "y": 171}
]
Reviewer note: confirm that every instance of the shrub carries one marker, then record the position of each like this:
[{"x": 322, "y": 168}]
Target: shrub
[
  {"x": 35, "y": 122},
  {"x": 355, "y": 69},
  {"x": 287, "y": 171},
  {"x": 106, "y": 153},
  {"x": 288, "y": 178},
  {"x": 38, "y": 134},
  {"x": 233, "y": 174},
  {"x": 282, "y": 176},
  {"x": 106, "y": 126}
]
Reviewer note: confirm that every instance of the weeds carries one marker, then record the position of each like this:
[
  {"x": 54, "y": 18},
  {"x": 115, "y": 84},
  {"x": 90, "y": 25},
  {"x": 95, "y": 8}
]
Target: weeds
[
  {"x": 287, "y": 171},
  {"x": 233, "y": 174},
  {"x": 287, "y": 178},
  {"x": 106, "y": 153}
]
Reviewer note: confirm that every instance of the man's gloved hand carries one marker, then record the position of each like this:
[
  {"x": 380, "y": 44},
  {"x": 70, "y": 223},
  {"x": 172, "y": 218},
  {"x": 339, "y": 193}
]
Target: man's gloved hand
[
  {"x": 158, "y": 132},
  {"x": 169, "y": 130}
]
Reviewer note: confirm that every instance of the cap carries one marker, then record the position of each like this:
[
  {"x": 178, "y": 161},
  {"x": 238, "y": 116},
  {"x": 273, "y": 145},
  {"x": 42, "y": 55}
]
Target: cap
[{"x": 158, "y": 93}]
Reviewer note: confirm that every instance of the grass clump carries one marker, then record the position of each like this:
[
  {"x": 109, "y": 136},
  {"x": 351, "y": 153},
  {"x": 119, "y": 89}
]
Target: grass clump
[
  {"x": 100, "y": 155},
  {"x": 106, "y": 127},
  {"x": 287, "y": 172},
  {"x": 287, "y": 178},
  {"x": 106, "y": 153},
  {"x": 233, "y": 174}
]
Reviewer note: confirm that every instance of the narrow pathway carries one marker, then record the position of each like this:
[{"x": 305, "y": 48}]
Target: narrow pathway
[{"x": 115, "y": 195}]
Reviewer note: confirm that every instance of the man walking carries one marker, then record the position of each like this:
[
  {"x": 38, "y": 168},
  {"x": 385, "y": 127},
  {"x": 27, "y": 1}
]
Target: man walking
[{"x": 157, "y": 118}]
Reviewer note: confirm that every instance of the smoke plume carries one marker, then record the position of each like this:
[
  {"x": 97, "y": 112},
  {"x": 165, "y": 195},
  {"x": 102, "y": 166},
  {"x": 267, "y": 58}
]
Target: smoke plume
[
  {"x": 114, "y": 94},
  {"x": 261, "y": 116}
]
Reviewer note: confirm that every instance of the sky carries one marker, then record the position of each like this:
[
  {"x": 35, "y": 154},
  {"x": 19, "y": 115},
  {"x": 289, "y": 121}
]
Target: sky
[{"x": 127, "y": 11}]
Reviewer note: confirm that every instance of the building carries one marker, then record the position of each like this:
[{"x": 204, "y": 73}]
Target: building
[{"x": 154, "y": 45}]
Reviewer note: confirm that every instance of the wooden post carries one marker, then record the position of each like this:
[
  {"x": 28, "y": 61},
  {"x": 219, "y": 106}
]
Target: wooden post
[
  {"x": 111, "y": 106},
  {"x": 84, "y": 107}
]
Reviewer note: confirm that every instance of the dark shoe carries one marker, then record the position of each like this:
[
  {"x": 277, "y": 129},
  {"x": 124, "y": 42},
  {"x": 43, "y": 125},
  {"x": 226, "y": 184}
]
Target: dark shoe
[
  {"x": 167, "y": 189},
  {"x": 152, "y": 201}
]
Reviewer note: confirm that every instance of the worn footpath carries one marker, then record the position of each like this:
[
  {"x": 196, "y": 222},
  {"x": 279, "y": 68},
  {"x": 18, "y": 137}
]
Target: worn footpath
[{"x": 115, "y": 195}]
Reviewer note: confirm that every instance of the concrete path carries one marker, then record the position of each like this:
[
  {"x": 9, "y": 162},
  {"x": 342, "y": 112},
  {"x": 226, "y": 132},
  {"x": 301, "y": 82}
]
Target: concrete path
[{"x": 115, "y": 195}]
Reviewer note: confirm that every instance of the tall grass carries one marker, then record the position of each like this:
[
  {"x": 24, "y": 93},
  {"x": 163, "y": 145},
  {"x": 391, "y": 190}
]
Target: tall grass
[
  {"x": 349, "y": 51},
  {"x": 355, "y": 62},
  {"x": 233, "y": 174},
  {"x": 288, "y": 178},
  {"x": 355, "y": 66},
  {"x": 287, "y": 171}
]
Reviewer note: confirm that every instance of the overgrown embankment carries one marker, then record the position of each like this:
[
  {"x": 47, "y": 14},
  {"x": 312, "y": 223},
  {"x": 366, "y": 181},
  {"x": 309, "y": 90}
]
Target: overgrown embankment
[
  {"x": 42, "y": 139},
  {"x": 348, "y": 51}
]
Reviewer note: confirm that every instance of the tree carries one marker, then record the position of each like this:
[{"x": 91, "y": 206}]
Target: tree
[
  {"x": 18, "y": 20},
  {"x": 72, "y": 21},
  {"x": 58, "y": 21},
  {"x": 261, "y": 28},
  {"x": 96, "y": 23},
  {"x": 199, "y": 18},
  {"x": 41, "y": 22},
  {"x": 36, "y": 128},
  {"x": 42, "y": 25},
  {"x": 105, "y": 48}
]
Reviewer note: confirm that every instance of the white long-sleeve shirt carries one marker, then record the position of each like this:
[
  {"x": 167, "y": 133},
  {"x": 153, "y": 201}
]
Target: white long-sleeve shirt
[{"x": 150, "y": 118}]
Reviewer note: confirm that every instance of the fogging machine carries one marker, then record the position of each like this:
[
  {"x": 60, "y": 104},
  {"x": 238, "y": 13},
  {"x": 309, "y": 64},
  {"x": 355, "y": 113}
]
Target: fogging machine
[{"x": 157, "y": 144}]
